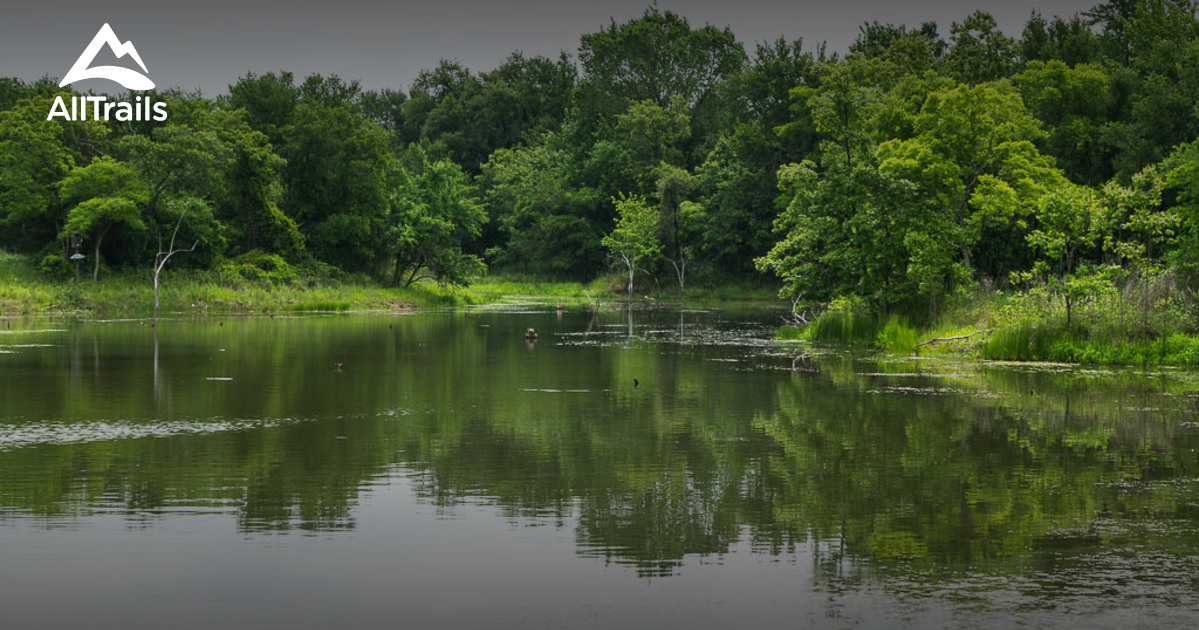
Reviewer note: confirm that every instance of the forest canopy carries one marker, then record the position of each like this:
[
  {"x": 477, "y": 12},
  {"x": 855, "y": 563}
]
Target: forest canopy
[{"x": 921, "y": 163}]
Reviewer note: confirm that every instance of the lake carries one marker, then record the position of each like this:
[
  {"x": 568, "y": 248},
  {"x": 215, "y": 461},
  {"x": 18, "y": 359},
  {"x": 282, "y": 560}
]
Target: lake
[{"x": 643, "y": 469}]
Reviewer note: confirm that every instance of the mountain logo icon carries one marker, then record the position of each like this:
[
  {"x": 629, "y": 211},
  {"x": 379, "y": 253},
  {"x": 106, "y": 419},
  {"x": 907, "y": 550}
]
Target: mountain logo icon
[{"x": 130, "y": 79}]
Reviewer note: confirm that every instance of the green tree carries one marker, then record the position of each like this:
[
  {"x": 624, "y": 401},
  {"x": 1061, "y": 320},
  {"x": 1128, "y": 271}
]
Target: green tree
[
  {"x": 979, "y": 51},
  {"x": 677, "y": 220},
  {"x": 1069, "y": 220},
  {"x": 914, "y": 51},
  {"x": 635, "y": 240},
  {"x": 269, "y": 100},
  {"x": 35, "y": 155},
  {"x": 33, "y": 159},
  {"x": 1069, "y": 40},
  {"x": 842, "y": 228},
  {"x": 252, "y": 191},
  {"x": 434, "y": 214},
  {"x": 1075, "y": 103},
  {"x": 1181, "y": 175},
  {"x": 103, "y": 195},
  {"x": 1138, "y": 227},
  {"x": 546, "y": 221},
  {"x": 645, "y": 136},
  {"x": 337, "y": 183},
  {"x": 658, "y": 56},
  {"x": 973, "y": 161},
  {"x": 181, "y": 165}
]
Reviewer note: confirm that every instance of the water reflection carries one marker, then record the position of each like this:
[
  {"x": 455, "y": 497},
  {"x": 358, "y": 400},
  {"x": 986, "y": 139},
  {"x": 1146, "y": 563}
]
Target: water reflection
[{"x": 877, "y": 468}]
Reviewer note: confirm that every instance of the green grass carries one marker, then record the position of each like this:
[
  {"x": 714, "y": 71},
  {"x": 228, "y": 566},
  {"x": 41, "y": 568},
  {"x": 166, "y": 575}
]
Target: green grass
[
  {"x": 611, "y": 289},
  {"x": 320, "y": 306},
  {"x": 1027, "y": 342},
  {"x": 1021, "y": 327},
  {"x": 236, "y": 288},
  {"x": 495, "y": 289},
  {"x": 1105, "y": 329},
  {"x": 898, "y": 337},
  {"x": 791, "y": 333},
  {"x": 1021, "y": 342},
  {"x": 845, "y": 326},
  {"x": 24, "y": 291}
]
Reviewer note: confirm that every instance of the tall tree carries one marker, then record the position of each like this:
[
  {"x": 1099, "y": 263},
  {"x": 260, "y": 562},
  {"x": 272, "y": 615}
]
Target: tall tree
[
  {"x": 434, "y": 214},
  {"x": 103, "y": 195},
  {"x": 656, "y": 57},
  {"x": 979, "y": 51},
  {"x": 268, "y": 101},
  {"x": 634, "y": 241},
  {"x": 973, "y": 159},
  {"x": 337, "y": 183}
]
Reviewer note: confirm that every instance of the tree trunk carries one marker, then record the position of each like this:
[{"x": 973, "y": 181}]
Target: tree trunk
[
  {"x": 96, "y": 263},
  {"x": 412, "y": 276},
  {"x": 157, "y": 271},
  {"x": 629, "y": 262},
  {"x": 680, "y": 268}
]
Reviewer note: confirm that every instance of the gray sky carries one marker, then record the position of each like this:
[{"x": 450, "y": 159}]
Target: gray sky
[{"x": 209, "y": 43}]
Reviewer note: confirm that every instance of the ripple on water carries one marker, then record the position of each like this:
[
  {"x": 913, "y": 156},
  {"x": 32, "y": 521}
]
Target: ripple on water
[{"x": 27, "y": 434}]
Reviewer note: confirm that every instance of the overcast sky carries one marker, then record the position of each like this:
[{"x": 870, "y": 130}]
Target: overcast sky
[{"x": 209, "y": 43}]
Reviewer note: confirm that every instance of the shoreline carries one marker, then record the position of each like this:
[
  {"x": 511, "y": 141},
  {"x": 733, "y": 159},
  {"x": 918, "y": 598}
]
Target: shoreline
[
  {"x": 24, "y": 294},
  {"x": 199, "y": 294}
]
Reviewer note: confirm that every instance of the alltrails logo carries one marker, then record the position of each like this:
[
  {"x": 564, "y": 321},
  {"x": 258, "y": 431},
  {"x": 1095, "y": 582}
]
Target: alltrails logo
[{"x": 101, "y": 109}]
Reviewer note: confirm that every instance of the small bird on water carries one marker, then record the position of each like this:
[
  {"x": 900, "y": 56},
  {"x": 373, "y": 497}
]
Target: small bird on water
[{"x": 531, "y": 335}]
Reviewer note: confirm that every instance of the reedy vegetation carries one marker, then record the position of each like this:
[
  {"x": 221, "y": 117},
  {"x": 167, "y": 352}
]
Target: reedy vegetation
[{"x": 1046, "y": 184}]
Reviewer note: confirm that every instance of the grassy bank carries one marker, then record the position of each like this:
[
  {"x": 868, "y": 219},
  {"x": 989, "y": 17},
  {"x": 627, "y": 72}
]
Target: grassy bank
[
  {"x": 610, "y": 289},
  {"x": 1146, "y": 322},
  {"x": 24, "y": 290}
]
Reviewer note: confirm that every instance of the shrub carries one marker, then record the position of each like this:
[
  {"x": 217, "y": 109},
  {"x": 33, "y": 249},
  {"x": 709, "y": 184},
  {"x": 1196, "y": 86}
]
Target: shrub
[{"x": 258, "y": 266}]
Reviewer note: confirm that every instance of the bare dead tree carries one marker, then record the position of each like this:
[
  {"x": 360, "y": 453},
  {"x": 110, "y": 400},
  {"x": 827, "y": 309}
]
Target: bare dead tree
[
  {"x": 161, "y": 258},
  {"x": 798, "y": 317},
  {"x": 680, "y": 270}
]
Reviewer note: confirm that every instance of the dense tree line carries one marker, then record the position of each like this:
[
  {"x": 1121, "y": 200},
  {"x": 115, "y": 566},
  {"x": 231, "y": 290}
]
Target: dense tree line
[{"x": 913, "y": 166}]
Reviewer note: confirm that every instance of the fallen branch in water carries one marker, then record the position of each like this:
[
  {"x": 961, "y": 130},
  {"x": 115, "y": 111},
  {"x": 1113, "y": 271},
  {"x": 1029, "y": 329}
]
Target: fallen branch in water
[{"x": 957, "y": 338}]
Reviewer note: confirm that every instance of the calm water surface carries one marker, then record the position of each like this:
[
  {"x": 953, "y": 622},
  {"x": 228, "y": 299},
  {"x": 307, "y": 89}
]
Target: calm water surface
[{"x": 436, "y": 470}]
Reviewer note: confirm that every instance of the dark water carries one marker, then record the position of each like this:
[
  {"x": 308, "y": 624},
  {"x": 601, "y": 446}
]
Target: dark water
[{"x": 230, "y": 474}]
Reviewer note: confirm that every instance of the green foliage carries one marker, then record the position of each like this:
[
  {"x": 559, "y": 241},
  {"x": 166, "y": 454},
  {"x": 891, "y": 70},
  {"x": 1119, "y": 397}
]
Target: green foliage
[
  {"x": 846, "y": 321},
  {"x": 547, "y": 224},
  {"x": 337, "y": 183},
  {"x": 34, "y": 158},
  {"x": 979, "y": 51},
  {"x": 1076, "y": 104},
  {"x": 905, "y": 175},
  {"x": 635, "y": 240},
  {"x": 102, "y": 195},
  {"x": 898, "y": 337},
  {"x": 1068, "y": 222},
  {"x": 656, "y": 57},
  {"x": 258, "y": 266},
  {"x": 434, "y": 214}
]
